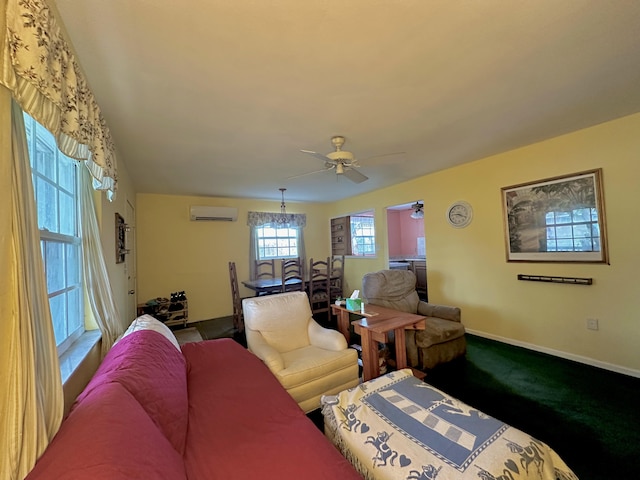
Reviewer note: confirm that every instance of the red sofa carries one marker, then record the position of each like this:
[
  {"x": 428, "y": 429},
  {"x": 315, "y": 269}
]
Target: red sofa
[{"x": 210, "y": 410}]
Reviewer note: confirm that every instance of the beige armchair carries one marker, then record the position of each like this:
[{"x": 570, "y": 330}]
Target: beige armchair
[
  {"x": 443, "y": 338},
  {"x": 307, "y": 359}
]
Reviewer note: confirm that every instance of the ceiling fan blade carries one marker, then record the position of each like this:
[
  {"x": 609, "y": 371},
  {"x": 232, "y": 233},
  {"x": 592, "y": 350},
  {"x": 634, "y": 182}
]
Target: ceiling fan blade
[
  {"x": 317, "y": 155},
  {"x": 311, "y": 173},
  {"x": 354, "y": 175}
]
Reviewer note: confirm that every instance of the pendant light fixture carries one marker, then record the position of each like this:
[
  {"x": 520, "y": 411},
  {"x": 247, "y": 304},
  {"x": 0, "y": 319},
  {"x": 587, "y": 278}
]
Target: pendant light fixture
[
  {"x": 283, "y": 219},
  {"x": 417, "y": 210}
]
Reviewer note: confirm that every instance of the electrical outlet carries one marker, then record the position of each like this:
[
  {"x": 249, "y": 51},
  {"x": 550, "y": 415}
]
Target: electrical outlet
[{"x": 592, "y": 323}]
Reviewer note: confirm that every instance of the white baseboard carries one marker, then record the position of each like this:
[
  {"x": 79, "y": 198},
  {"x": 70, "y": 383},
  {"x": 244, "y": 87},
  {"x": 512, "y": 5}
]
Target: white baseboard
[{"x": 557, "y": 353}]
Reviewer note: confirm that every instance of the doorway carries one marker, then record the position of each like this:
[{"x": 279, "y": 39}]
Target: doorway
[
  {"x": 406, "y": 242},
  {"x": 130, "y": 262}
]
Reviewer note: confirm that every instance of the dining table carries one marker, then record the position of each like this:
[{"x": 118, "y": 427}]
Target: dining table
[{"x": 264, "y": 286}]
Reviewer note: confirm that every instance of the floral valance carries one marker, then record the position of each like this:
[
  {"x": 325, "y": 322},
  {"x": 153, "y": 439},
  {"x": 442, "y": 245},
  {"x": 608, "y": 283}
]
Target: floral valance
[
  {"x": 45, "y": 79},
  {"x": 257, "y": 219}
]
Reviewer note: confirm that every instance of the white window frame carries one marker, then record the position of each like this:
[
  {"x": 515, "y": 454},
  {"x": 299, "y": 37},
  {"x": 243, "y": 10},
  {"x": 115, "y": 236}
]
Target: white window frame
[
  {"x": 277, "y": 241},
  {"x": 363, "y": 234},
  {"x": 65, "y": 287}
]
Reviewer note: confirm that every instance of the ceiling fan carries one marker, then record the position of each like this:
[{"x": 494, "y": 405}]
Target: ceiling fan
[
  {"x": 342, "y": 161},
  {"x": 418, "y": 211}
]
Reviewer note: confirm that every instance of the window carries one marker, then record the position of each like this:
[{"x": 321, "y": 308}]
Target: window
[
  {"x": 276, "y": 241},
  {"x": 363, "y": 235},
  {"x": 573, "y": 231},
  {"x": 55, "y": 182}
]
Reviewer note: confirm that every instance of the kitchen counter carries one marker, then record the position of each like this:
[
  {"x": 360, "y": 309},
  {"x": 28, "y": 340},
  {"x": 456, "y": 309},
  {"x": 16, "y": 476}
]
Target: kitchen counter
[{"x": 399, "y": 265}]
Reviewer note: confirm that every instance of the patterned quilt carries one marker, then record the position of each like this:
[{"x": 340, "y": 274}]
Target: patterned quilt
[{"x": 398, "y": 427}]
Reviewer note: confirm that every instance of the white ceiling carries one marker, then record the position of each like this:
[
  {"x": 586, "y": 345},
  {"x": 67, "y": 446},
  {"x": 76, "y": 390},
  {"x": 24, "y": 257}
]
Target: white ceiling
[{"x": 217, "y": 97}]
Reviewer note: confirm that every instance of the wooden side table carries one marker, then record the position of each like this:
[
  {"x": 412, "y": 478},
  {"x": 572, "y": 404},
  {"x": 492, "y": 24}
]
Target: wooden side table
[
  {"x": 374, "y": 328},
  {"x": 343, "y": 320}
]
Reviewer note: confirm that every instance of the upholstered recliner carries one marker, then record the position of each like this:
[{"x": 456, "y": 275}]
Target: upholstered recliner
[
  {"x": 443, "y": 338},
  {"x": 307, "y": 359}
]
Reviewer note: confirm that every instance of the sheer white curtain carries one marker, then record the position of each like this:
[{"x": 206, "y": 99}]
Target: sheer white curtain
[
  {"x": 32, "y": 397},
  {"x": 40, "y": 72},
  {"x": 94, "y": 268}
]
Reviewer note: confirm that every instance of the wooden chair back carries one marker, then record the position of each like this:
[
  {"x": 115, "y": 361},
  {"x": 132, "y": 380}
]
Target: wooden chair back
[
  {"x": 319, "y": 286},
  {"x": 265, "y": 269},
  {"x": 238, "y": 318},
  {"x": 337, "y": 277},
  {"x": 290, "y": 262},
  {"x": 293, "y": 278}
]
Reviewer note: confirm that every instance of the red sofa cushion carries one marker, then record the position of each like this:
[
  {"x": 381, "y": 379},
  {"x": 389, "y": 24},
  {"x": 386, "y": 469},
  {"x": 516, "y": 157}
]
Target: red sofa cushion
[
  {"x": 243, "y": 424},
  {"x": 109, "y": 436},
  {"x": 152, "y": 369}
]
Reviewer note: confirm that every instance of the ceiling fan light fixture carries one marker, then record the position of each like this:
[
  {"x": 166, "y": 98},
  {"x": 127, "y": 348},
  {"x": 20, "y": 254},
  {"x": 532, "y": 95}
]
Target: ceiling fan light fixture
[
  {"x": 418, "y": 211},
  {"x": 339, "y": 168},
  {"x": 337, "y": 141}
]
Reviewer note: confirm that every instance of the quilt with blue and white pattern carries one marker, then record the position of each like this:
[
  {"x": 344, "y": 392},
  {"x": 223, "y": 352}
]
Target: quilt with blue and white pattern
[{"x": 398, "y": 427}]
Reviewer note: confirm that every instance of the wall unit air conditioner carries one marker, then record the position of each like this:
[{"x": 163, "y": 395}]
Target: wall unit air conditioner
[{"x": 204, "y": 213}]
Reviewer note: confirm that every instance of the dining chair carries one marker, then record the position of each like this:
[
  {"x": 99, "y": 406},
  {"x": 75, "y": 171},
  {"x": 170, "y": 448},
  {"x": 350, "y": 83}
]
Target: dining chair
[
  {"x": 319, "y": 286},
  {"x": 289, "y": 262},
  {"x": 336, "y": 275},
  {"x": 265, "y": 269},
  {"x": 292, "y": 275},
  {"x": 238, "y": 318}
]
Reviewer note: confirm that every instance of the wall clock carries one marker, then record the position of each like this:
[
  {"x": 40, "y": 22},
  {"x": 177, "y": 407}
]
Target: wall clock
[{"x": 459, "y": 214}]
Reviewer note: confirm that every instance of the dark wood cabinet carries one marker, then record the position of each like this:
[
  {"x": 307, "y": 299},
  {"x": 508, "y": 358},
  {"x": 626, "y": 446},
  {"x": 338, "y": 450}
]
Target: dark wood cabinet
[
  {"x": 419, "y": 268},
  {"x": 341, "y": 236}
]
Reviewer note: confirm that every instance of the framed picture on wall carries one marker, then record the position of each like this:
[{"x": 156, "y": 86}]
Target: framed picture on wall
[{"x": 558, "y": 219}]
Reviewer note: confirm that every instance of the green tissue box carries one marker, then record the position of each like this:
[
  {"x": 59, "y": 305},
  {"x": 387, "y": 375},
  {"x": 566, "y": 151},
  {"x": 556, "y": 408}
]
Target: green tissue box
[{"x": 354, "y": 304}]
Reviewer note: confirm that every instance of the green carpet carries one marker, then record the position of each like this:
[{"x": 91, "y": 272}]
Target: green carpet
[
  {"x": 589, "y": 416},
  {"x": 219, "y": 328},
  {"x": 215, "y": 328}
]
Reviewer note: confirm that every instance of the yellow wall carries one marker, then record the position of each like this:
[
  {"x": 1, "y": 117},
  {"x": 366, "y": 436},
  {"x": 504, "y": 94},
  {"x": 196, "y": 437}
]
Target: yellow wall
[
  {"x": 118, "y": 274},
  {"x": 467, "y": 267},
  {"x": 176, "y": 254}
]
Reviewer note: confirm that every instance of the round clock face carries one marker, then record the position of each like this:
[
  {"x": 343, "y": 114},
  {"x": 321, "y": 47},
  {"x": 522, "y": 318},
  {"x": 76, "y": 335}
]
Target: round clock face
[{"x": 459, "y": 214}]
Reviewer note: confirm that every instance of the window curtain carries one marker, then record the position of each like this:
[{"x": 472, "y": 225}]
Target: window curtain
[
  {"x": 41, "y": 74},
  {"x": 96, "y": 277},
  {"x": 32, "y": 398},
  {"x": 258, "y": 219},
  {"x": 45, "y": 79}
]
